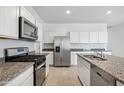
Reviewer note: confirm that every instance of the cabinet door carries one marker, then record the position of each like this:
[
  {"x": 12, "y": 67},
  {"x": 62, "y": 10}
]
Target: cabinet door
[
  {"x": 28, "y": 81},
  {"x": 49, "y": 37},
  {"x": 85, "y": 75},
  {"x": 74, "y": 37},
  {"x": 73, "y": 58},
  {"x": 47, "y": 63},
  {"x": 40, "y": 30},
  {"x": 25, "y": 13},
  {"x": 103, "y": 37},
  {"x": 17, "y": 81},
  {"x": 84, "y": 37},
  {"x": 93, "y": 37},
  {"x": 9, "y": 21},
  {"x": 84, "y": 71}
]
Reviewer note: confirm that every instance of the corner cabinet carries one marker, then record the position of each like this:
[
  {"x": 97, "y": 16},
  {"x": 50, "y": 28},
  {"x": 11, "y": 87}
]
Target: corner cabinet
[
  {"x": 83, "y": 71},
  {"x": 9, "y": 21}
]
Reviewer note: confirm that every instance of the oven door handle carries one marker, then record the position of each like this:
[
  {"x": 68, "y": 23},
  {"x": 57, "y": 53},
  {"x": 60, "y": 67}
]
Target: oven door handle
[{"x": 40, "y": 66}]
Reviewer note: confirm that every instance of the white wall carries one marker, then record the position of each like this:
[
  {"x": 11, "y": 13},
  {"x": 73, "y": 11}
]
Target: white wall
[
  {"x": 75, "y": 27},
  {"x": 116, "y": 40},
  {"x": 7, "y": 43}
]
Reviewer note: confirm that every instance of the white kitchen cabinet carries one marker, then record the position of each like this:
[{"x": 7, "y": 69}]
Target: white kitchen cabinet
[
  {"x": 24, "y": 79},
  {"x": 118, "y": 83},
  {"x": 49, "y": 36},
  {"x": 74, "y": 37},
  {"x": 9, "y": 21},
  {"x": 103, "y": 37},
  {"x": 40, "y": 30},
  {"x": 49, "y": 60},
  {"x": 84, "y": 37},
  {"x": 93, "y": 37},
  {"x": 25, "y": 13},
  {"x": 74, "y": 58},
  {"x": 28, "y": 81},
  {"x": 84, "y": 71}
]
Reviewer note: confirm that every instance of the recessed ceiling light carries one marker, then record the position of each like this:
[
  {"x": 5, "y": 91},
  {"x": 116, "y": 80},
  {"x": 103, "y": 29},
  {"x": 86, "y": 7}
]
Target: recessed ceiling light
[
  {"x": 68, "y": 11},
  {"x": 108, "y": 12}
]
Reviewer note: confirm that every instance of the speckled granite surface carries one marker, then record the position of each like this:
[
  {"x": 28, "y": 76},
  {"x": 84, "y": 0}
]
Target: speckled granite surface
[
  {"x": 114, "y": 66},
  {"x": 10, "y": 70}
]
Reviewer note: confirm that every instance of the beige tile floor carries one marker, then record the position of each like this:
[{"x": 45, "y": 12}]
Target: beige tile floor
[{"x": 62, "y": 76}]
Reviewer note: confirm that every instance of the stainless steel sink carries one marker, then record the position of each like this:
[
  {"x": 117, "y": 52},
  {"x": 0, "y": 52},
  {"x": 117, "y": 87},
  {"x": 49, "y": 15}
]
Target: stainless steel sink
[{"x": 93, "y": 57}]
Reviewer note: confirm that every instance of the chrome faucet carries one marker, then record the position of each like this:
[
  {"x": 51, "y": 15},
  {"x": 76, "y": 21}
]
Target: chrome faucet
[{"x": 100, "y": 54}]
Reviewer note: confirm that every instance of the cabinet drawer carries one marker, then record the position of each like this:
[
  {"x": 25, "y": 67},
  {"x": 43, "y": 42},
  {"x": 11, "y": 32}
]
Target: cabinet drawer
[{"x": 21, "y": 78}]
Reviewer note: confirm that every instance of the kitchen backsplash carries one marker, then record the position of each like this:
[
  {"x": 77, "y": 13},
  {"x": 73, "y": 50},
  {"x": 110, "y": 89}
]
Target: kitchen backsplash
[
  {"x": 8, "y": 43},
  {"x": 88, "y": 46},
  {"x": 78, "y": 45}
]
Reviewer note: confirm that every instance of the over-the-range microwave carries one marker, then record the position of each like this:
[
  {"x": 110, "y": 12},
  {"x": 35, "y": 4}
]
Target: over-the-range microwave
[{"x": 27, "y": 30}]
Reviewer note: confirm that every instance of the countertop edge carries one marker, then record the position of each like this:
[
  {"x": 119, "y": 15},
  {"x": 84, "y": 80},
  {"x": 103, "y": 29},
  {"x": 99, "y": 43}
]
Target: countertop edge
[{"x": 17, "y": 74}]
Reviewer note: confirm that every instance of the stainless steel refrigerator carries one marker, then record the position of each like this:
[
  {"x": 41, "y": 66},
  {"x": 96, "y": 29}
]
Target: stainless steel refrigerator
[{"x": 61, "y": 51}]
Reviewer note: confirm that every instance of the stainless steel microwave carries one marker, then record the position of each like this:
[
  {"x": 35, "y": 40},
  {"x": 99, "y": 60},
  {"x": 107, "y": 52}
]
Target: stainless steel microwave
[{"x": 27, "y": 30}]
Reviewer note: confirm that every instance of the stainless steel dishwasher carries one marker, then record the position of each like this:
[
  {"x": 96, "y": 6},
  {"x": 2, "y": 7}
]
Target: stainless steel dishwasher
[{"x": 101, "y": 78}]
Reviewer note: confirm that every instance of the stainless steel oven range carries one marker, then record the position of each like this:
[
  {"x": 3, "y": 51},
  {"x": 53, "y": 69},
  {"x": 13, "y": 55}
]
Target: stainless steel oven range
[{"x": 21, "y": 54}]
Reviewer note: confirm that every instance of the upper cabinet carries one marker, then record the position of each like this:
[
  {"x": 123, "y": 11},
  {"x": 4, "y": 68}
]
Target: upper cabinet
[
  {"x": 89, "y": 37},
  {"x": 79, "y": 33},
  {"x": 49, "y": 36},
  {"x": 40, "y": 30},
  {"x": 93, "y": 38},
  {"x": 84, "y": 37},
  {"x": 25, "y": 13},
  {"x": 9, "y": 21},
  {"x": 103, "y": 37},
  {"x": 74, "y": 37}
]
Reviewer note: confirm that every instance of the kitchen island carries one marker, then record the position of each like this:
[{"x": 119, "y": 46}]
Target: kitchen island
[{"x": 114, "y": 66}]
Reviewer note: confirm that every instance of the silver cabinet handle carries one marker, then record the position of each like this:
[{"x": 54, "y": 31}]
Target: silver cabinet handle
[
  {"x": 40, "y": 66},
  {"x": 102, "y": 77}
]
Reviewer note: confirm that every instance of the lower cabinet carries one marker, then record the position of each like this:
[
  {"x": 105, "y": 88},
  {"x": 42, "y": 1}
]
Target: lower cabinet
[
  {"x": 83, "y": 71},
  {"x": 24, "y": 79},
  {"x": 28, "y": 81},
  {"x": 49, "y": 60}
]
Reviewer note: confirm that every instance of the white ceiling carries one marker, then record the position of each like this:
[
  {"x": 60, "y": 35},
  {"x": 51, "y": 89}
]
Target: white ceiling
[{"x": 81, "y": 14}]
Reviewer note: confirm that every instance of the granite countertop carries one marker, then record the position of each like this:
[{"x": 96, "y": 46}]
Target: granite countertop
[
  {"x": 113, "y": 66},
  {"x": 86, "y": 50},
  {"x": 74, "y": 50},
  {"x": 10, "y": 70}
]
